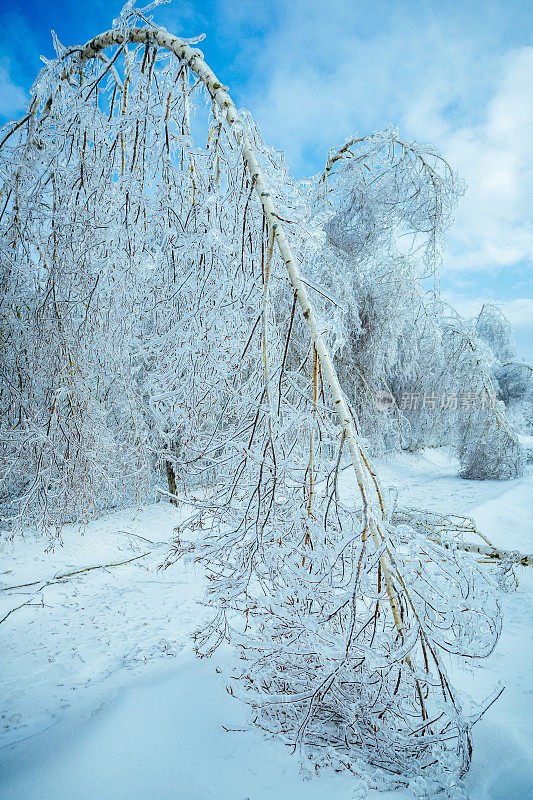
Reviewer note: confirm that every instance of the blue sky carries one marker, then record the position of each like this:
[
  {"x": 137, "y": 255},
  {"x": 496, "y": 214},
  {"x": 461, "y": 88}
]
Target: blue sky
[{"x": 457, "y": 74}]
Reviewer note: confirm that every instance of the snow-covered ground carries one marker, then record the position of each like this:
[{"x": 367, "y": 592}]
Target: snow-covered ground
[{"x": 102, "y": 698}]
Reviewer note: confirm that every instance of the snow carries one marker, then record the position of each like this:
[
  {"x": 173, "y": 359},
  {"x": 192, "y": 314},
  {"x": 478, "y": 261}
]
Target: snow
[{"x": 102, "y": 697}]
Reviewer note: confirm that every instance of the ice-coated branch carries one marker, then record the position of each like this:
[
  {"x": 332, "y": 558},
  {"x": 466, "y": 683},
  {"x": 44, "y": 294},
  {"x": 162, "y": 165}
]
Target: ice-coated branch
[{"x": 194, "y": 59}]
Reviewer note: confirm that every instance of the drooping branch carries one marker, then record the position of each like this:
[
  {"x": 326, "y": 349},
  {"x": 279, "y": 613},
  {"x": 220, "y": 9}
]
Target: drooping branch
[{"x": 194, "y": 59}]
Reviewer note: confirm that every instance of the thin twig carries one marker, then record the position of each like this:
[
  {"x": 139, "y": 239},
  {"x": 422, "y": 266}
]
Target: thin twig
[{"x": 58, "y": 578}]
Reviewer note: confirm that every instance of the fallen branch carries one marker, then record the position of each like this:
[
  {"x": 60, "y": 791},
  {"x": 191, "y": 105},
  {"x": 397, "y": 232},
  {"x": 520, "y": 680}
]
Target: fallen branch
[
  {"x": 27, "y": 603},
  {"x": 59, "y": 578},
  {"x": 436, "y": 524},
  {"x": 495, "y": 553}
]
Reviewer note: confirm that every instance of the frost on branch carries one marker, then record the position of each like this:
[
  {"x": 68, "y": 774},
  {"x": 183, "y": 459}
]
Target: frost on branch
[
  {"x": 150, "y": 330},
  {"x": 385, "y": 205}
]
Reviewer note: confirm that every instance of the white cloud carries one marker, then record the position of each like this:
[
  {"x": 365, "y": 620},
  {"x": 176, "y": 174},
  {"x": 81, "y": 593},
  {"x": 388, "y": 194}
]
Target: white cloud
[
  {"x": 519, "y": 312},
  {"x": 494, "y": 225},
  {"x": 327, "y": 70},
  {"x": 12, "y": 97}
]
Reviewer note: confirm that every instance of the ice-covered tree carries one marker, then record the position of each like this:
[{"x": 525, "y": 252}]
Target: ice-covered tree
[
  {"x": 172, "y": 303},
  {"x": 385, "y": 205}
]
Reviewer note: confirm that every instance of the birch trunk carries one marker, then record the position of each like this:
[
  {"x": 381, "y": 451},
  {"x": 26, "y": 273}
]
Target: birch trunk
[{"x": 194, "y": 59}]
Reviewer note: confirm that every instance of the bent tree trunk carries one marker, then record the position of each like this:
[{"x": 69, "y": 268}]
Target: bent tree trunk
[{"x": 193, "y": 58}]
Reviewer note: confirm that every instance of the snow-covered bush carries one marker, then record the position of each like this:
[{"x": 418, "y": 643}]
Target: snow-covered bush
[
  {"x": 513, "y": 378},
  {"x": 488, "y": 447}
]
